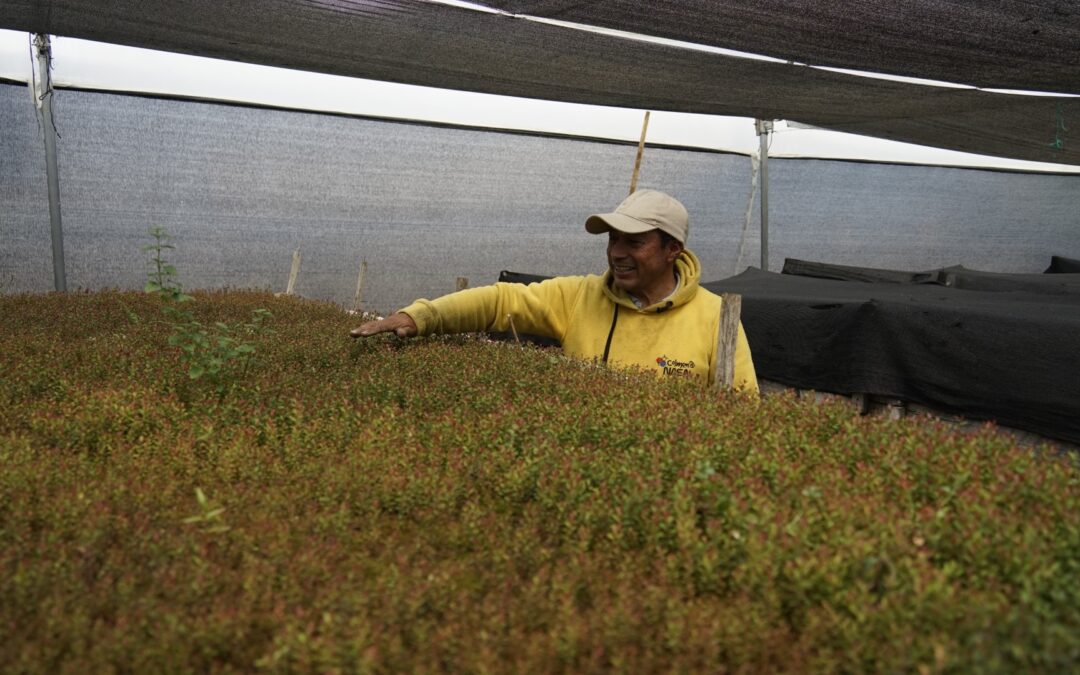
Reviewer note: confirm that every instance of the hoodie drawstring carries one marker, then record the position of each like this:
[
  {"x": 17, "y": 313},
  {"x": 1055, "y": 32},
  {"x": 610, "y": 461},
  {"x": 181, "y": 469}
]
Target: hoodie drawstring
[{"x": 614, "y": 320}]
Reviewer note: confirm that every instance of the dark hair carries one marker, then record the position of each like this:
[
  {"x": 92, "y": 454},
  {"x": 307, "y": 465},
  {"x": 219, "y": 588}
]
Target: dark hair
[{"x": 666, "y": 239}]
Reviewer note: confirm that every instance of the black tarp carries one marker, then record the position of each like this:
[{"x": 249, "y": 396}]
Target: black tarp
[
  {"x": 809, "y": 268},
  {"x": 1008, "y": 355},
  {"x": 1063, "y": 280},
  {"x": 430, "y": 44},
  {"x": 1062, "y": 265},
  {"x": 958, "y": 276}
]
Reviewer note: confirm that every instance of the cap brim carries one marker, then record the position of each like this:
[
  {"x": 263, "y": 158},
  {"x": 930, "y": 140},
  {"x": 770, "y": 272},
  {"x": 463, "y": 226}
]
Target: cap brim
[{"x": 603, "y": 222}]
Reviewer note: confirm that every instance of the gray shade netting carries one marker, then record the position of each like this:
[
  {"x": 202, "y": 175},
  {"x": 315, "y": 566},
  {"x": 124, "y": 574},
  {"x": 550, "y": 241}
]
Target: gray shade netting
[
  {"x": 241, "y": 187},
  {"x": 1010, "y": 44},
  {"x": 437, "y": 45}
]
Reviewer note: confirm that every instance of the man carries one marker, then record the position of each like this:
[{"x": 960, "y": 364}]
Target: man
[{"x": 647, "y": 310}]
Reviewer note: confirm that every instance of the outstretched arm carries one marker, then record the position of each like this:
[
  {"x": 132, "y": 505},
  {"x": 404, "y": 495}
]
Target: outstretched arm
[
  {"x": 399, "y": 323},
  {"x": 538, "y": 308}
]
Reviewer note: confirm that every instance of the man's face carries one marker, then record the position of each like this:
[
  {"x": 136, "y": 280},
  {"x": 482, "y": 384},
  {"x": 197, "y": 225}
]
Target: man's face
[{"x": 641, "y": 263}]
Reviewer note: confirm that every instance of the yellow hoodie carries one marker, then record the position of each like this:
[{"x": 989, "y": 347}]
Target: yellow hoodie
[{"x": 594, "y": 319}]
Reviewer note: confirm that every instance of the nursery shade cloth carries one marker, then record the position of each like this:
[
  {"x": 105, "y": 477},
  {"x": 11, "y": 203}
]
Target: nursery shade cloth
[
  {"x": 1004, "y": 355},
  {"x": 1002, "y": 44},
  {"x": 241, "y": 187},
  {"x": 422, "y": 43}
]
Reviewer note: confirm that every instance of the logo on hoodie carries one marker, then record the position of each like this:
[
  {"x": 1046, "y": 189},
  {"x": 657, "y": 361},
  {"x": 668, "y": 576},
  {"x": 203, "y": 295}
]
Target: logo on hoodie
[{"x": 674, "y": 366}]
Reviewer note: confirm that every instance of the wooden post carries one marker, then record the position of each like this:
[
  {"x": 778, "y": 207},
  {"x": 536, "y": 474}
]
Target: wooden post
[
  {"x": 293, "y": 272},
  {"x": 730, "y": 309},
  {"x": 462, "y": 283},
  {"x": 640, "y": 152},
  {"x": 513, "y": 328},
  {"x": 358, "y": 301}
]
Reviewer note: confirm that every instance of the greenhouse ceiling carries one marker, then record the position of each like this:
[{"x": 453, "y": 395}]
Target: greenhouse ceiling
[{"x": 990, "y": 44}]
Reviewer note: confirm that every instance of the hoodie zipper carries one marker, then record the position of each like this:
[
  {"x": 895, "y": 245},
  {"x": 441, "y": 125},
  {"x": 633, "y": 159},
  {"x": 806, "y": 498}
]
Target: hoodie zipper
[{"x": 614, "y": 320}]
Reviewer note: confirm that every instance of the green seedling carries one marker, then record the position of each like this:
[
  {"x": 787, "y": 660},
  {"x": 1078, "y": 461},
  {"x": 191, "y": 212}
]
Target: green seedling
[
  {"x": 209, "y": 517},
  {"x": 220, "y": 352}
]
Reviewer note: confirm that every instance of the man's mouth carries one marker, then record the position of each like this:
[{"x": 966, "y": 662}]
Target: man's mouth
[{"x": 622, "y": 269}]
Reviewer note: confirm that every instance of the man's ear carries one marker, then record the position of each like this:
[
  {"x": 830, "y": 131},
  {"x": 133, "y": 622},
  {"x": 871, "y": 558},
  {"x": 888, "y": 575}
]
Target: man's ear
[{"x": 674, "y": 248}]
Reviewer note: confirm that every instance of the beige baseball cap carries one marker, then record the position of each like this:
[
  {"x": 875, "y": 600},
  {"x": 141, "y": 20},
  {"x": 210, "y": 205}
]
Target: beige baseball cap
[{"x": 642, "y": 211}]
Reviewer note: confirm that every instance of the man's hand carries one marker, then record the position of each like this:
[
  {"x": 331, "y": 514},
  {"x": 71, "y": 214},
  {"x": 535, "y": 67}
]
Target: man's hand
[{"x": 401, "y": 324}]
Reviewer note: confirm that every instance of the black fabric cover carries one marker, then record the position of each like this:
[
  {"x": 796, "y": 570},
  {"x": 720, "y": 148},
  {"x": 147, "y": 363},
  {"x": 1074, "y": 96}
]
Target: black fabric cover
[
  {"x": 955, "y": 276},
  {"x": 520, "y": 277},
  {"x": 1005, "y": 356},
  {"x": 436, "y": 45},
  {"x": 820, "y": 270},
  {"x": 958, "y": 276},
  {"x": 1010, "y": 44},
  {"x": 1061, "y": 265}
]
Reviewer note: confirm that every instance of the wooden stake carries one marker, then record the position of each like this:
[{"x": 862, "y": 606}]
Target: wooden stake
[
  {"x": 730, "y": 309},
  {"x": 293, "y": 272},
  {"x": 640, "y": 151},
  {"x": 358, "y": 301},
  {"x": 462, "y": 283},
  {"x": 513, "y": 329}
]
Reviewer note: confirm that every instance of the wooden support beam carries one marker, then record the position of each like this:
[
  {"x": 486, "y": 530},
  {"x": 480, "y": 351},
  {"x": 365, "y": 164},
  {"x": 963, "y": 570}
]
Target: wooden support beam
[
  {"x": 730, "y": 309},
  {"x": 513, "y": 328},
  {"x": 293, "y": 272},
  {"x": 358, "y": 301},
  {"x": 640, "y": 152}
]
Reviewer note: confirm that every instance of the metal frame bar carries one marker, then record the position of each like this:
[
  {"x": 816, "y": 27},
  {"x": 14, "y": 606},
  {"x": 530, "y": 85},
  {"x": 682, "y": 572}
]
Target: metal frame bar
[{"x": 43, "y": 101}]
